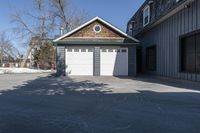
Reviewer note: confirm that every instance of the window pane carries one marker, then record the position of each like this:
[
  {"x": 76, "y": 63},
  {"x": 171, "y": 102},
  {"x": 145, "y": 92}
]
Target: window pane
[
  {"x": 146, "y": 13},
  {"x": 90, "y": 50},
  {"x": 151, "y": 58},
  {"x": 198, "y": 53},
  {"x": 190, "y": 63},
  {"x": 188, "y": 54},
  {"x": 198, "y": 63},
  {"x": 69, "y": 50},
  {"x": 104, "y": 50},
  {"x": 83, "y": 50},
  {"x": 146, "y": 20},
  {"x": 198, "y": 43},
  {"x": 124, "y": 51},
  {"x": 190, "y": 44},
  {"x": 110, "y": 50},
  {"x": 76, "y": 50}
]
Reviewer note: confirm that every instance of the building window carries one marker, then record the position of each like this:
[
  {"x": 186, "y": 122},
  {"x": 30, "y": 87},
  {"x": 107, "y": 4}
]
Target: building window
[
  {"x": 190, "y": 53},
  {"x": 76, "y": 50},
  {"x": 97, "y": 28},
  {"x": 151, "y": 58},
  {"x": 146, "y": 15},
  {"x": 104, "y": 50},
  {"x": 110, "y": 50},
  {"x": 124, "y": 50},
  {"x": 130, "y": 28},
  {"x": 90, "y": 50},
  {"x": 83, "y": 50},
  {"x": 69, "y": 50}
]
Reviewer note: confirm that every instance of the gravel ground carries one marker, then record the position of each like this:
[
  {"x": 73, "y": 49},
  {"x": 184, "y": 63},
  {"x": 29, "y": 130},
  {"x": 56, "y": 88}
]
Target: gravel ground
[{"x": 41, "y": 103}]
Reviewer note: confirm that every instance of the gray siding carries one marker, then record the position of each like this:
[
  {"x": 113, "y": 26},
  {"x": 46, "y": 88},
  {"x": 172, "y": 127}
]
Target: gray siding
[
  {"x": 60, "y": 60},
  {"x": 96, "y": 61},
  {"x": 132, "y": 70},
  {"x": 166, "y": 37}
]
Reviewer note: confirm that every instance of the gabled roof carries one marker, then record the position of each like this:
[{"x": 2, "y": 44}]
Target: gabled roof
[
  {"x": 165, "y": 14},
  {"x": 91, "y": 21}
]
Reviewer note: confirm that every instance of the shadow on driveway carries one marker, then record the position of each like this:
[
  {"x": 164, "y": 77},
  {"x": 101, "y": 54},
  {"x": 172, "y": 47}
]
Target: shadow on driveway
[{"x": 65, "y": 105}]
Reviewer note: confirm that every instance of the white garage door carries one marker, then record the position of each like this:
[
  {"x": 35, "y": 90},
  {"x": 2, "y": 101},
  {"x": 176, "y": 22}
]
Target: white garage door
[
  {"x": 114, "y": 61},
  {"x": 79, "y": 61}
]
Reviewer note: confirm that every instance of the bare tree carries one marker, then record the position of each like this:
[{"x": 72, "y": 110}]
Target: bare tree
[
  {"x": 6, "y": 48},
  {"x": 47, "y": 18},
  {"x": 65, "y": 16},
  {"x": 38, "y": 27}
]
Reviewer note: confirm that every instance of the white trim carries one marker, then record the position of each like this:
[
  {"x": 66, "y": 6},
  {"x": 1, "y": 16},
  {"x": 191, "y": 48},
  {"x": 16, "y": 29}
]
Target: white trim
[
  {"x": 147, "y": 7},
  {"x": 91, "y": 21},
  {"x": 94, "y": 28},
  {"x": 98, "y": 37}
]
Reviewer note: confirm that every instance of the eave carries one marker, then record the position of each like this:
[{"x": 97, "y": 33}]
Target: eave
[{"x": 96, "y": 42}]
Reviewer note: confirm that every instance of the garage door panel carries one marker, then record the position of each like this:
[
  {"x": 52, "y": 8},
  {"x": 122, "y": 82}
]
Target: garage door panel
[
  {"x": 114, "y": 62},
  {"x": 79, "y": 61}
]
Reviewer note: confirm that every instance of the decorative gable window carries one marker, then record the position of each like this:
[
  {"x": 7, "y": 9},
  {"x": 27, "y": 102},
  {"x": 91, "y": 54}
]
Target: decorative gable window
[{"x": 146, "y": 15}]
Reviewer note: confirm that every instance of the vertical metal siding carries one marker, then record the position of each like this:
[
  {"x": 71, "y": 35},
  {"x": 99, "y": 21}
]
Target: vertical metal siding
[
  {"x": 96, "y": 61},
  {"x": 132, "y": 68},
  {"x": 60, "y": 60},
  {"x": 166, "y": 37}
]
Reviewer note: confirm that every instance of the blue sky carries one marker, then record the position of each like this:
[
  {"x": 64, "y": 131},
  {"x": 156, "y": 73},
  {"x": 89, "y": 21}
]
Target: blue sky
[{"x": 117, "y": 12}]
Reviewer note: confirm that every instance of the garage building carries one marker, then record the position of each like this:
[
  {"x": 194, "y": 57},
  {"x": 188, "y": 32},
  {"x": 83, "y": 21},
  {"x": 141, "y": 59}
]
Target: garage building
[{"x": 96, "y": 48}]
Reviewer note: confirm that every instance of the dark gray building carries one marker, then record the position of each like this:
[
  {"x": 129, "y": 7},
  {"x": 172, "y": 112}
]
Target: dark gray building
[{"x": 169, "y": 31}]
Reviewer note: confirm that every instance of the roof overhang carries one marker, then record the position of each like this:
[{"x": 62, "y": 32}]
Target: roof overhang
[
  {"x": 89, "y": 43},
  {"x": 95, "y": 42}
]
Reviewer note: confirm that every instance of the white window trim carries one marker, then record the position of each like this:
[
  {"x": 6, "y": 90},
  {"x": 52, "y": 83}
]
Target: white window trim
[
  {"x": 94, "y": 28},
  {"x": 146, "y": 8}
]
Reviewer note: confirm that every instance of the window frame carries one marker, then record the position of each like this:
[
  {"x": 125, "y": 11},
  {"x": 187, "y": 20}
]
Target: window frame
[
  {"x": 95, "y": 30},
  {"x": 147, "y": 7},
  {"x": 181, "y": 58}
]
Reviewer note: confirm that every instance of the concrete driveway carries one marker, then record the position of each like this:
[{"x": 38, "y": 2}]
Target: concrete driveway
[{"x": 41, "y": 103}]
